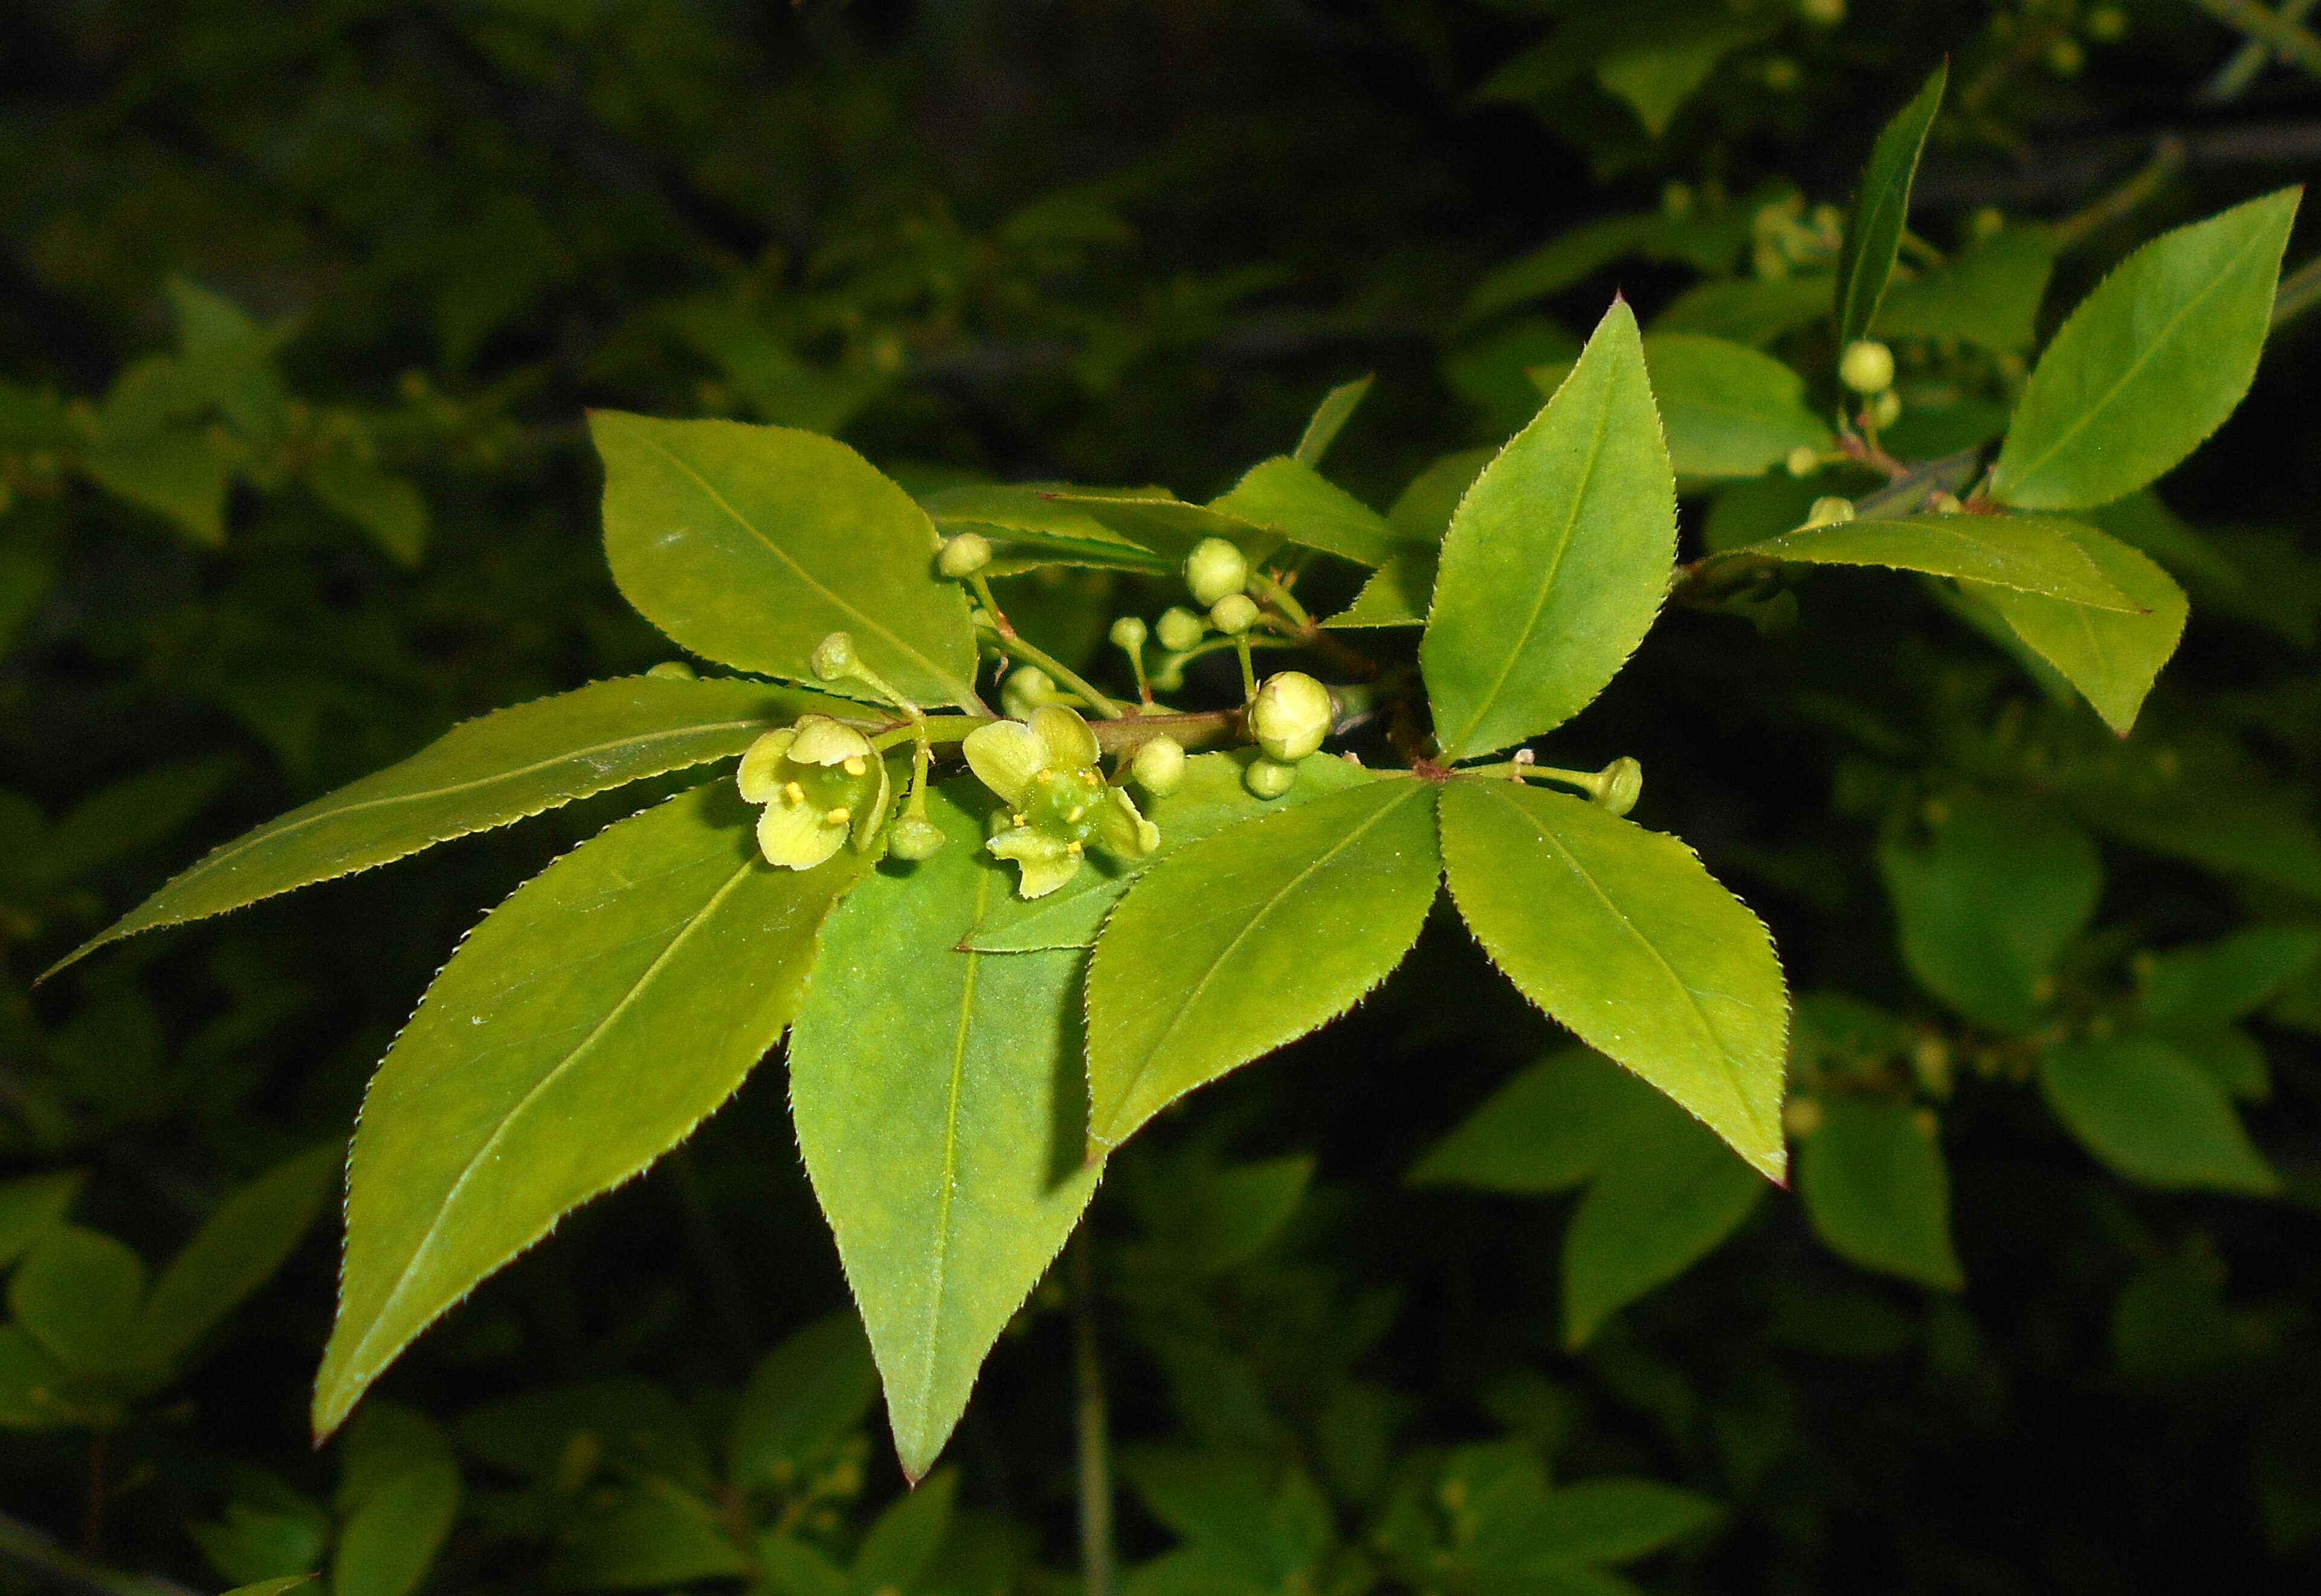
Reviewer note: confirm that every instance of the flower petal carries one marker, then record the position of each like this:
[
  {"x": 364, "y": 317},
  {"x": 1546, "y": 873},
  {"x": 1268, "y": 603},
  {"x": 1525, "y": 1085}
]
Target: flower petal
[
  {"x": 1071, "y": 743},
  {"x": 1005, "y": 756},
  {"x": 759, "y": 777},
  {"x": 822, "y": 740},
  {"x": 797, "y": 836},
  {"x": 1046, "y": 863},
  {"x": 1120, "y": 829}
]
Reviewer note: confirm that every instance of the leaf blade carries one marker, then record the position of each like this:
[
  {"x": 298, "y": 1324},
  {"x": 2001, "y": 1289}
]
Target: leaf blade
[
  {"x": 1651, "y": 962},
  {"x": 664, "y": 930},
  {"x": 1249, "y": 940},
  {"x": 2112, "y": 656},
  {"x": 1881, "y": 210},
  {"x": 2024, "y": 553},
  {"x": 1877, "y": 1192},
  {"x": 1515, "y": 646},
  {"x": 2149, "y": 364}
]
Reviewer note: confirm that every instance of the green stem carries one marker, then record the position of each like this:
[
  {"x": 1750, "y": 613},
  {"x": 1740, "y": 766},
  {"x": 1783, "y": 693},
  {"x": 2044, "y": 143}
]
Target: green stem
[
  {"x": 1095, "y": 1448},
  {"x": 2272, "y": 29},
  {"x": 1279, "y": 597},
  {"x": 982, "y": 587},
  {"x": 1248, "y": 671},
  {"x": 939, "y": 728},
  {"x": 1066, "y": 674},
  {"x": 2299, "y": 292}
]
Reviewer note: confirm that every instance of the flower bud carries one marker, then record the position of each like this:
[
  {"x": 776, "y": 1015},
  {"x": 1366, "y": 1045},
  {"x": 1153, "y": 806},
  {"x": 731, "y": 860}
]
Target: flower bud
[
  {"x": 1025, "y": 690},
  {"x": 1886, "y": 409},
  {"x": 672, "y": 670},
  {"x": 1290, "y": 716},
  {"x": 1866, "y": 367},
  {"x": 963, "y": 556},
  {"x": 1268, "y": 778},
  {"x": 1829, "y": 511},
  {"x": 1802, "y": 1116},
  {"x": 1214, "y": 569},
  {"x": 1804, "y": 460},
  {"x": 1129, "y": 633},
  {"x": 2065, "y": 58},
  {"x": 1180, "y": 630},
  {"x": 1821, "y": 14},
  {"x": 1621, "y": 783},
  {"x": 1233, "y": 614},
  {"x": 2107, "y": 24},
  {"x": 915, "y": 837},
  {"x": 833, "y": 656},
  {"x": 1159, "y": 766}
]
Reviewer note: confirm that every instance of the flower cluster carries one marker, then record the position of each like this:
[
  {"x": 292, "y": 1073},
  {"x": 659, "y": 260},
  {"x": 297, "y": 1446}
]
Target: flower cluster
[
  {"x": 820, "y": 782},
  {"x": 1044, "y": 769}
]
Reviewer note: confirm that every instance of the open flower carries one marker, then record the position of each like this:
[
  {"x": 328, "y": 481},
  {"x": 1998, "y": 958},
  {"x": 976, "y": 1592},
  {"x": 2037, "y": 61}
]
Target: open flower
[
  {"x": 819, "y": 780},
  {"x": 1044, "y": 768}
]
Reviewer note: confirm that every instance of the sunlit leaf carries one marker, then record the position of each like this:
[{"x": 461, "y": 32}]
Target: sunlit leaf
[
  {"x": 1881, "y": 210},
  {"x": 1287, "y": 496},
  {"x": 2036, "y": 554},
  {"x": 1728, "y": 410},
  {"x": 2111, "y": 655}
]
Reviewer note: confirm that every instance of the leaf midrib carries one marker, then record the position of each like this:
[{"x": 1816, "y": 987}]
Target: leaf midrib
[
  {"x": 1933, "y": 526},
  {"x": 940, "y": 1263},
  {"x": 1691, "y": 999},
  {"x": 628, "y": 999},
  {"x": 1456, "y": 747},
  {"x": 2088, "y": 413},
  {"x": 961, "y": 694},
  {"x": 1185, "y": 1007}
]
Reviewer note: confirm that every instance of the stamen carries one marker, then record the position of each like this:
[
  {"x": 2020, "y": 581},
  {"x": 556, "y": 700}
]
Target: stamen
[
  {"x": 838, "y": 817},
  {"x": 792, "y": 793},
  {"x": 856, "y": 764}
]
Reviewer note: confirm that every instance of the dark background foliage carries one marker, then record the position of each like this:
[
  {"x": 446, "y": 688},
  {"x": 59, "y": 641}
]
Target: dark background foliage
[{"x": 1100, "y": 241}]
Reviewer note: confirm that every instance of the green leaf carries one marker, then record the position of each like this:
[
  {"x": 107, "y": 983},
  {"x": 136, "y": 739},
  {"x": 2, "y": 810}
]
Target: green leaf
[
  {"x": 1248, "y": 940},
  {"x": 635, "y": 1426},
  {"x": 1156, "y": 519},
  {"x": 1878, "y": 1192},
  {"x": 1563, "y": 261},
  {"x": 1498, "y": 373},
  {"x": 1032, "y": 528},
  {"x": 400, "y": 1497},
  {"x": 582, "y": 1029},
  {"x": 1987, "y": 294},
  {"x": 1287, "y": 496},
  {"x": 1658, "y": 78},
  {"x": 32, "y": 1205},
  {"x": 76, "y": 1293},
  {"x": 1747, "y": 309},
  {"x": 1547, "y": 1130},
  {"x": 1729, "y": 410},
  {"x": 2111, "y": 655},
  {"x": 35, "y": 1388},
  {"x": 2153, "y": 1115},
  {"x": 1621, "y": 936},
  {"x": 752, "y": 544},
  {"x": 899, "y": 1546},
  {"x": 126, "y": 816},
  {"x": 1213, "y": 797},
  {"x": 26, "y": 575},
  {"x": 2036, "y": 554},
  {"x": 1603, "y": 1521},
  {"x": 1329, "y": 419},
  {"x": 1557, "y": 559},
  {"x": 383, "y": 505},
  {"x": 178, "y": 473},
  {"x": 938, "y": 1102},
  {"x": 1668, "y": 1195},
  {"x": 1421, "y": 511},
  {"x": 273, "y": 1587},
  {"x": 1881, "y": 210},
  {"x": 1399, "y": 593},
  {"x": 804, "y": 1395},
  {"x": 2222, "y": 980},
  {"x": 1985, "y": 908},
  {"x": 2149, "y": 364},
  {"x": 659, "y": 1534},
  {"x": 487, "y": 772},
  {"x": 243, "y": 1243}
]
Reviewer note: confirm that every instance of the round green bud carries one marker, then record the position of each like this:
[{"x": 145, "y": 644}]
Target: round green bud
[
  {"x": 1269, "y": 778},
  {"x": 963, "y": 556},
  {"x": 1233, "y": 614},
  {"x": 1622, "y": 783},
  {"x": 913, "y": 838},
  {"x": 1987, "y": 222},
  {"x": 1821, "y": 14},
  {"x": 1180, "y": 630},
  {"x": 1026, "y": 688},
  {"x": 1866, "y": 367},
  {"x": 1159, "y": 766},
  {"x": 1216, "y": 568},
  {"x": 2107, "y": 24},
  {"x": 1802, "y": 1116},
  {"x": 1829, "y": 512},
  {"x": 1676, "y": 201},
  {"x": 1128, "y": 632},
  {"x": 2065, "y": 58},
  {"x": 833, "y": 656},
  {"x": 1804, "y": 460},
  {"x": 671, "y": 670},
  {"x": 1887, "y": 408},
  {"x": 1290, "y": 716},
  {"x": 1781, "y": 74}
]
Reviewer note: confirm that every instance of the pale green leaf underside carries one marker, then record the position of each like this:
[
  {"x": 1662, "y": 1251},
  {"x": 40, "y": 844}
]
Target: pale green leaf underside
[
  {"x": 487, "y": 772},
  {"x": 752, "y": 544},
  {"x": 2026, "y": 553},
  {"x": 1557, "y": 559},
  {"x": 2149, "y": 364},
  {"x": 1214, "y": 796},
  {"x": 581, "y": 1030},
  {"x": 940, "y": 1109},
  {"x": 1881, "y": 210},
  {"x": 1729, "y": 410},
  {"x": 1877, "y": 1192},
  {"x": 1626, "y": 941},
  {"x": 2111, "y": 657},
  {"x": 1250, "y": 939}
]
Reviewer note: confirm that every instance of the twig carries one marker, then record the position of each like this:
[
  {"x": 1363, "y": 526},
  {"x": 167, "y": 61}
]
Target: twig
[
  {"x": 2299, "y": 292},
  {"x": 2234, "y": 79},
  {"x": 28, "y": 1549},
  {"x": 1095, "y": 1445},
  {"x": 2277, "y": 30},
  {"x": 2167, "y": 160}
]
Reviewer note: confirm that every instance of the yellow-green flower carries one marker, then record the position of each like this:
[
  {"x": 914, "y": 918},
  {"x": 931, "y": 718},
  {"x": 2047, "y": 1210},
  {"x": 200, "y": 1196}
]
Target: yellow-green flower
[
  {"x": 1044, "y": 768},
  {"x": 820, "y": 781}
]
